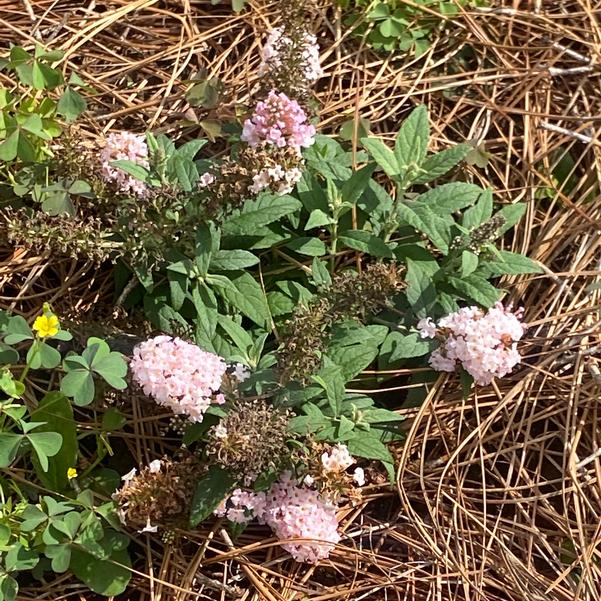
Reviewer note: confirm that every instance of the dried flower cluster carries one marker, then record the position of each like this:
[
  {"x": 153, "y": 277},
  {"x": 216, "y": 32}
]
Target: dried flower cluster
[
  {"x": 250, "y": 439},
  {"x": 484, "y": 344},
  {"x": 124, "y": 146},
  {"x": 327, "y": 469},
  {"x": 481, "y": 235},
  {"x": 250, "y": 171},
  {"x": 293, "y": 512},
  {"x": 178, "y": 375},
  {"x": 60, "y": 234},
  {"x": 351, "y": 296},
  {"x": 160, "y": 495}
]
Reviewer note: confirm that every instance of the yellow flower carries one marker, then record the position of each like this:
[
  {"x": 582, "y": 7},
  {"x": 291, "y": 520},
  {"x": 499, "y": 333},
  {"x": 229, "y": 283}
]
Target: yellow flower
[
  {"x": 46, "y": 325},
  {"x": 71, "y": 473}
]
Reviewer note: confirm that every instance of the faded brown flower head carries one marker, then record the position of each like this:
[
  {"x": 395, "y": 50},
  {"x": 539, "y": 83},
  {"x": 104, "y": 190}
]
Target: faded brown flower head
[
  {"x": 61, "y": 235},
  {"x": 481, "y": 235},
  {"x": 333, "y": 485},
  {"x": 160, "y": 495},
  {"x": 230, "y": 190},
  {"x": 351, "y": 296},
  {"x": 250, "y": 439}
]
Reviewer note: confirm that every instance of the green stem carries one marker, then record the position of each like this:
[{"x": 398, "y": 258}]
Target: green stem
[{"x": 28, "y": 365}]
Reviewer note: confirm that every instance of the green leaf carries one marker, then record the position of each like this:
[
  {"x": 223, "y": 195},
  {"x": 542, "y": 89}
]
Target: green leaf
[
  {"x": 48, "y": 356},
  {"x": 331, "y": 379},
  {"x": 313, "y": 247},
  {"x": 133, "y": 169},
  {"x": 377, "y": 415},
  {"x": 392, "y": 28},
  {"x": 210, "y": 491},
  {"x": 238, "y": 334},
  {"x": 11, "y": 387},
  {"x": 112, "y": 368},
  {"x": 449, "y": 198},
  {"x": 113, "y": 419},
  {"x": 318, "y": 218},
  {"x": 365, "y": 241},
  {"x": 405, "y": 346},
  {"x": 34, "y": 125},
  {"x": 18, "y": 558},
  {"x": 476, "y": 288},
  {"x": 440, "y": 163},
  {"x": 480, "y": 212},
  {"x": 9, "y": 147},
  {"x": 512, "y": 215},
  {"x": 71, "y": 105},
  {"x": 104, "y": 577},
  {"x": 383, "y": 156},
  {"x": 320, "y": 274},
  {"x": 510, "y": 263},
  {"x": 369, "y": 447},
  {"x": 55, "y": 409},
  {"x": 245, "y": 294},
  {"x": 190, "y": 149},
  {"x": 262, "y": 211},
  {"x": 411, "y": 144},
  {"x": 353, "y": 347},
  {"x": 60, "y": 556},
  {"x": 8, "y": 588},
  {"x": 185, "y": 171},
  {"x": 354, "y": 187},
  {"x": 17, "y": 330},
  {"x": 55, "y": 202},
  {"x": 231, "y": 260},
  {"x": 45, "y": 444},
  {"x": 469, "y": 263},
  {"x": 424, "y": 220},
  {"x": 79, "y": 385},
  {"x": 9, "y": 446}
]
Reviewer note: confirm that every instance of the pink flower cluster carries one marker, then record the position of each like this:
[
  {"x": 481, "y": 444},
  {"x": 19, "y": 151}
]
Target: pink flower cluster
[
  {"x": 178, "y": 375},
  {"x": 281, "y": 180},
  {"x": 485, "y": 344},
  {"x": 338, "y": 459},
  {"x": 277, "y": 43},
  {"x": 292, "y": 511},
  {"x": 279, "y": 121},
  {"x": 124, "y": 146}
]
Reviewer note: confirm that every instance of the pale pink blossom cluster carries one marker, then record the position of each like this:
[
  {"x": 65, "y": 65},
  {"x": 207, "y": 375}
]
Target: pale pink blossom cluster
[
  {"x": 178, "y": 375},
  {"x": 277, "y": 43},
  {"x": 279, "y": 121},
  {"x": 485, "y": 344},
  {"x": 293, "y": 512},
  {"x": 338, "y": 459},
  {"x": 205, "y": 180},
  {"x": 276, "y": 178},
  {"x": 124, "y": 146}
]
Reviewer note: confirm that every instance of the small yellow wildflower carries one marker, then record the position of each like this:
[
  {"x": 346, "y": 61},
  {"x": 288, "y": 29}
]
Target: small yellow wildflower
[
  {"x": 71, "y": 473},
  {"x": 46, "y": 325}
]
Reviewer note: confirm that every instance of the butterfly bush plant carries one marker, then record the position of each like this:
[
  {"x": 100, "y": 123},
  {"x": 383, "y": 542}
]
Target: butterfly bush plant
[
  {"x": 285, "y": 278},
  {"x": 303, "y": 272}
]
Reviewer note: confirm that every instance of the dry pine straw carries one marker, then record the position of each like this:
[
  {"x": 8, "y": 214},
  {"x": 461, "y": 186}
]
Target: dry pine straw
[{"x": 498, "y": 495}]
